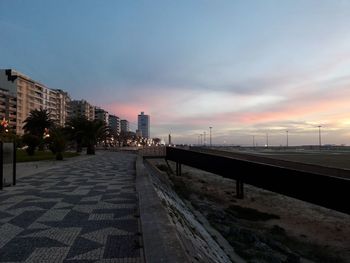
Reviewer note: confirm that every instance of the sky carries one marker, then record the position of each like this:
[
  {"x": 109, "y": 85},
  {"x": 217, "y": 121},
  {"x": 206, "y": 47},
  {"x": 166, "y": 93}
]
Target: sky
[{"x": 245, "y": 68}]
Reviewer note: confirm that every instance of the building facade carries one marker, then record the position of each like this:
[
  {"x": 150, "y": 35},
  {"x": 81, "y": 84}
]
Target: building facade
[
  {"x": 31, "y": 95},
  {"x": 143, "y": 124},
  {"x": 124, "y": 126},
  {"x": 63, "y": 107},
  {"x": 82, "y": 108},
  {"x": 8, "y": 109},
  {"x": 114, "y": 124},
  {"x": 101, "y": 114}
]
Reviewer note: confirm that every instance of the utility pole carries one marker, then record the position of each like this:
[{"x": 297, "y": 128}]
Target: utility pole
[{"x": 210, "y": 135}]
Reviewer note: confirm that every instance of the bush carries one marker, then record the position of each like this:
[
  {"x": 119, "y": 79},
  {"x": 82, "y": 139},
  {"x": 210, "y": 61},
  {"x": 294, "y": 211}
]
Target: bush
[{"x": 32, "y": 141}]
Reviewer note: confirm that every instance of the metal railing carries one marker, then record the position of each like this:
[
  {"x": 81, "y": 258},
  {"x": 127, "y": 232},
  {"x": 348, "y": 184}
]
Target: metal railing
[
  {"x": 307, "y": 185},
  {"x": 152, "y": 152}
]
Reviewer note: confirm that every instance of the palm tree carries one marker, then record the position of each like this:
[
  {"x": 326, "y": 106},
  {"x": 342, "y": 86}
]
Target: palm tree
[
  {"x": 57, "y": 142},
  {"x": 37, "y": 122},
  {"x": 85, "y": 132},
  {"x": 94, "y": 130},
  {"x": 75, "y": 129}
]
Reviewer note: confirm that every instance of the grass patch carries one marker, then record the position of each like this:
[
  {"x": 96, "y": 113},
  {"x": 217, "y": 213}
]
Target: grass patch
[
  {"x": 249, "y": 213},
  {"x": 22, "y": 156}
]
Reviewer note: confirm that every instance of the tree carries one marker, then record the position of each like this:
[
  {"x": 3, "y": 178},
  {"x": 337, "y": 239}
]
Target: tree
[
  {"x": 57, "y": 143},
  {"x": 75, "y": 129},
  {"x": 37, "y": 122},
  {"x": 94, "y": 130},
  {"x": 32, "y": 142},
  {"x": 86, "y": 133}
]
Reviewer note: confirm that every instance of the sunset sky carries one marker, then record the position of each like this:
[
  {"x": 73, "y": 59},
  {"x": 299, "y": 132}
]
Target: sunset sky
[{"x": 246, "y": 68}]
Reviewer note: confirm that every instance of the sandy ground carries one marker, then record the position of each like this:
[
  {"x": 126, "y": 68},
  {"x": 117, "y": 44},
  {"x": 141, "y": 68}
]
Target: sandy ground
[{"x": 314, "y": 233}]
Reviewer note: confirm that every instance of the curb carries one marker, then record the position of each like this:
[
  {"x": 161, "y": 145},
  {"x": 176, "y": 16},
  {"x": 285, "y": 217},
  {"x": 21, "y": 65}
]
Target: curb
[{"x": 160, "y": 239}]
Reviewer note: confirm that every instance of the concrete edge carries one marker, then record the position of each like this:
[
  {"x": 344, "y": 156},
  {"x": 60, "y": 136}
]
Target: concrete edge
[{"x": 160, "y": 238}]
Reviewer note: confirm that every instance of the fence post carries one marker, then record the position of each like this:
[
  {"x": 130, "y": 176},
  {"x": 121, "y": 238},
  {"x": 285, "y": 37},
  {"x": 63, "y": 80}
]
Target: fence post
[
  {"x": 178, "y": 169},
  {"x": 239, "y": 189}
]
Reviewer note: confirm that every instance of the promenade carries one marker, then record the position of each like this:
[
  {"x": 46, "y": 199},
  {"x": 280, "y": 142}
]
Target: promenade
[{"x": 82, "y": 211}]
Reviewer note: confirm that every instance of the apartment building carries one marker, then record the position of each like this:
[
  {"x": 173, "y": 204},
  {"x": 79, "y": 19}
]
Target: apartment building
[
  {"x": 124, "y": 126},
  {"x": 8, "y": 109},
  {"x": 21, "y": 94},
  {"x": 82, "y": 108},
  {"x": 29, "y": 95},
  {"x": 114, "y": 123},
  {"x": 101, "y": 114},
  {"x": 143, "y": 124},
  {"x": 63, "y": 106}
]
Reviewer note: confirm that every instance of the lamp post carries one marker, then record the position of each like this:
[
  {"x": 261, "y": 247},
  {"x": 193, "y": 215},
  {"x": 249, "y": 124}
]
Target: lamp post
[
  {"x": 210, "y": 135},
  {"x": 319, "y": 136},
  {"x": 267, "y": 140}
]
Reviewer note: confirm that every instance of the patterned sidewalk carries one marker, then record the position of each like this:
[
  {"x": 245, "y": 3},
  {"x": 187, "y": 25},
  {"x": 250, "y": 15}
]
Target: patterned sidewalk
[{"x": 84, "y": 212}]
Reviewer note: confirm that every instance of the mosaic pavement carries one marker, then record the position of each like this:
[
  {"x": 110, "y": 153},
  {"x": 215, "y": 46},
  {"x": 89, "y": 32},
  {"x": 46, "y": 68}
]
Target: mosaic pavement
[{"x": 84, "y": 212}]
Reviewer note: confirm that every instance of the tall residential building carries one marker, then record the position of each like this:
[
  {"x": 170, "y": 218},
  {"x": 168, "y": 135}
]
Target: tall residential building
[
  {"x": 8, "y": 108},
  {"x": 114, "y": 123},
  {"x": 82, "y": 108},
  {"x": 124, "y": 126},
  {"x": 30, "y": 95},
  {"x": 143, "y": 124},
  {"x": 101, "y": 114},
  {"x": 63, "y": 106}
]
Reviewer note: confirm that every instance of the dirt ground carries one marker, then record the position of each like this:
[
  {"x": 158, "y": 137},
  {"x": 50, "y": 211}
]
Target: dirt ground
[{"x": 265, "y": 226}]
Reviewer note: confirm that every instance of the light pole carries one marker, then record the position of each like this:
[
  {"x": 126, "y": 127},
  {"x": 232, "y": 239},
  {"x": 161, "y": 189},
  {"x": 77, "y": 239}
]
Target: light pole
[
  {"x": 210, "y": 135},
  {"x": 205, "y": 140},
  {"x": 267, "y": 140},
  {"x": 319, "y": 136},
  {"x": 287, "y": 137}
]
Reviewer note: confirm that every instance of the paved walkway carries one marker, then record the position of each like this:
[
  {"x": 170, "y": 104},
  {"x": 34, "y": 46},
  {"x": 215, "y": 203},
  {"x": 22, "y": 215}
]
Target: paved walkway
[{"x": 86, "y": 211}]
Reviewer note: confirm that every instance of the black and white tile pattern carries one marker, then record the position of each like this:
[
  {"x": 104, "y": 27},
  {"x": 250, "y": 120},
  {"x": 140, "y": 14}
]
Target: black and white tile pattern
[{"x": 84, "y": 212}]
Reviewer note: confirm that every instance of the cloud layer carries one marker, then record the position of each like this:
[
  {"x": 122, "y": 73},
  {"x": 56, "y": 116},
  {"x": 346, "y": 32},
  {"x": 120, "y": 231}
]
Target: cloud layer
[{"x": 244, "y": 68}]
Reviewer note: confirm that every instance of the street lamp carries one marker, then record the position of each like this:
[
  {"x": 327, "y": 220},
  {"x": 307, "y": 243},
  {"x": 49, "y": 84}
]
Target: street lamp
[
  {"x": 267, "y": 140},
  {"x": 210, "y": 135}
]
